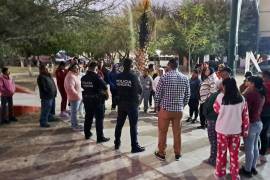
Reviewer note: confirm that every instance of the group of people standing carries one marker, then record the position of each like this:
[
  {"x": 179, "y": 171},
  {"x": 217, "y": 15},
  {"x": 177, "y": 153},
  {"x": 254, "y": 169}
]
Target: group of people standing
[
  {"x": 229, "y": 113},
  {"x": 226, "y": 112},
  {"x": 91, "y": 89}
]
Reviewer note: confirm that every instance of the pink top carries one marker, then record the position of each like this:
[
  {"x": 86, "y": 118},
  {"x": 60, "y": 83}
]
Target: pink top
[
  {"x": 72, "y": 86},
  {"x": 232, "y": 119},
  {"x": 7, "y": 86}
]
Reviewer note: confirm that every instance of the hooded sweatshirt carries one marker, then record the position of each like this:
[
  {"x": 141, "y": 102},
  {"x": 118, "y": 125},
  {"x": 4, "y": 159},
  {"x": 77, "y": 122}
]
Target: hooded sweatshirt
[{"x": 7, "y": 86}]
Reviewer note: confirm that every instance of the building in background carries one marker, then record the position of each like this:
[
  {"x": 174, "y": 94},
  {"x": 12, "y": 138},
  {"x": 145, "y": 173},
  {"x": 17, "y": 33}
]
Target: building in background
[{"x": 264, "y": 26}]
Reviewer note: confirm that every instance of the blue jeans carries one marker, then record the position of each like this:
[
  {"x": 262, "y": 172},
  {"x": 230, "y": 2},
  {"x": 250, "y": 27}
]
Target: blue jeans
[
  {"x": 132, "y": 113},
  {"x": 7, "y": 105},
  {"x": 145, "y": 98},
  {"x": 74, "y": 105},
  {"x": 81, "y": 108},
  {"x": 251, "y": 145},
  {"x": 46, "y": 111}
]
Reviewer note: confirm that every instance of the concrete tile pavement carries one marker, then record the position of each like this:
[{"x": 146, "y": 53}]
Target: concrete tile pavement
[{"x": 28, "y": 152}]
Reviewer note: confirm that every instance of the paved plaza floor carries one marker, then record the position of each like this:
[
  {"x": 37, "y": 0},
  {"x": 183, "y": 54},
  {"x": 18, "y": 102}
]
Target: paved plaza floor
[{"x": 29, "y": 152}]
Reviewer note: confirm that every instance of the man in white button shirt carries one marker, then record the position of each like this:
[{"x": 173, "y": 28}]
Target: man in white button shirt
[{"x": 161, "y": 71}]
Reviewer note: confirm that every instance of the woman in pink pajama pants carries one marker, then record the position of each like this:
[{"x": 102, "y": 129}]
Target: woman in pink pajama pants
[{"x": 233, "y": 120}]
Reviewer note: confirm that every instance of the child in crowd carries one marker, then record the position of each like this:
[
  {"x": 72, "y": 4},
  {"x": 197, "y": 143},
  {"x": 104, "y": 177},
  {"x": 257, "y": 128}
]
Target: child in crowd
[
  {"x": 232, "y": 121},
  {"x": 255, "y": 96},
  {"x": 7, "y": 90},
  {"x": 193, "y": 103}
]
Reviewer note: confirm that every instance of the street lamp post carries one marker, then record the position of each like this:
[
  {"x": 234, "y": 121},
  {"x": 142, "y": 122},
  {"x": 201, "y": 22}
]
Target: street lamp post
[{"x": 233, "y": 38}]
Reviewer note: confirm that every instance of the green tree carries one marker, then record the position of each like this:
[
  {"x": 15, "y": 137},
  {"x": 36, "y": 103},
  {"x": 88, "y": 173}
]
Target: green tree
[
  {"x": 191, "y": 24},
  {"x": 248, "y": 28}
]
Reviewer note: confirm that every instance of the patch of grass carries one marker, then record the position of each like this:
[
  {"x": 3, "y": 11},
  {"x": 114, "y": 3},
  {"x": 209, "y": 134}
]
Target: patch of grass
[{"x": 18, "y": 69}]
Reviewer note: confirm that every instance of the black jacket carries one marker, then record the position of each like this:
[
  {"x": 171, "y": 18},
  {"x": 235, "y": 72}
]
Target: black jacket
[
  {"x": 195, "y": 88},
  {"x": 93, "y": 87},
  {"x": 129, "y": 89},
  {"x": 47, "y": 87}
]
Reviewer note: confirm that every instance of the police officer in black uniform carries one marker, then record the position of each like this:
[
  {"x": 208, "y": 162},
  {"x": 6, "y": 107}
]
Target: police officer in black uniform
[
  {"x": 94, "y": 96},
  {"x": 129, "y": 90}
]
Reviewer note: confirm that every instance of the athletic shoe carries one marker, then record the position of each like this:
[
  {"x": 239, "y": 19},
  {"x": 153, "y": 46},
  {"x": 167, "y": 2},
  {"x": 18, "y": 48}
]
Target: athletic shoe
[
  {"x": 189, "y": 119},
  {"x": 177, "y": 157},
  {"x": 160, "y": 157}
]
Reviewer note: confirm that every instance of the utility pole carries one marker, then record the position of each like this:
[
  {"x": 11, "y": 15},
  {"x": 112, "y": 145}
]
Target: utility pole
[{"x": 233, "y": 37}]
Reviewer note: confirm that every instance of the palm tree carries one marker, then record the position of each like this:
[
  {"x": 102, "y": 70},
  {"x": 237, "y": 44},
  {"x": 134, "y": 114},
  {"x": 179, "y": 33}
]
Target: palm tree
[{"x": 145, "y": 26}]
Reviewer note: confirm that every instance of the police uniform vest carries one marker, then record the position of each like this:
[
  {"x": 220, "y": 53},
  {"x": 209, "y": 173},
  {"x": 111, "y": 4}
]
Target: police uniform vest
[
  {"x": 128, "y": 89},
  {"x": 93, "y": 88}
]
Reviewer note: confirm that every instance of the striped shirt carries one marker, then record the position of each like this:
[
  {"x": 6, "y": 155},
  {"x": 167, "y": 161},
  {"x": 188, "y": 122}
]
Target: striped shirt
[
  {"x": 173, "y": 92},
  {"x": 208, "y": 87}
]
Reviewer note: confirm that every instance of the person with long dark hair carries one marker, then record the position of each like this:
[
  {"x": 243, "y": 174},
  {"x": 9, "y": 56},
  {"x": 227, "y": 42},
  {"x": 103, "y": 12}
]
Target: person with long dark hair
[
  {"x": 232, "y": 121},
  {"x": 208, "y": 87},
  {"x": 255, "y": 96}
]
